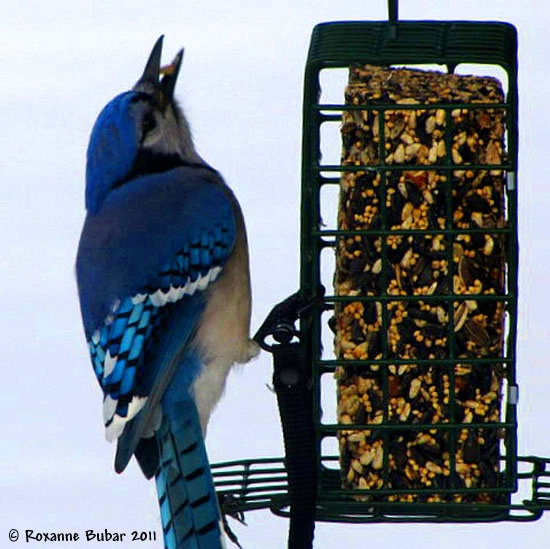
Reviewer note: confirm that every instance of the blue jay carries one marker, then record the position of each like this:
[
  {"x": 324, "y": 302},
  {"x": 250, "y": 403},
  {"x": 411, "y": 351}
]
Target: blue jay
[{"x": 164, "y": 287}]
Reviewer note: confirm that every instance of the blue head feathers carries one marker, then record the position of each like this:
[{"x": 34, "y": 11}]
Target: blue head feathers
[
  {"x": 144, "y": 120},
  {"x": 112, "y": 150}
]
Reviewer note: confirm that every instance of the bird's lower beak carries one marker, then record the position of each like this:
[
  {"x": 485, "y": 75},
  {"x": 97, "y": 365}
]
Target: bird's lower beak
[{"x": 170, "y": 75}]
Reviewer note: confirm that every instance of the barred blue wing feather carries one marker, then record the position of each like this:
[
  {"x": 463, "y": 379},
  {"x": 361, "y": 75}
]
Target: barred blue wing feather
[{"x": 168, "y": 365}]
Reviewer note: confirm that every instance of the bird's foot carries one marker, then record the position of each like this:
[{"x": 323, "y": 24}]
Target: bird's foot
[{"x": 229, "y": 507}]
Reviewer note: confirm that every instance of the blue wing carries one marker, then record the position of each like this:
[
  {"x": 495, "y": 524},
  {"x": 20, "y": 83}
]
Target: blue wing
[{"x": 144, "y": 261}]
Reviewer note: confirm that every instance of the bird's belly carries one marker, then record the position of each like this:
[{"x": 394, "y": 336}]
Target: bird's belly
[{"x": 223, "y": 336}]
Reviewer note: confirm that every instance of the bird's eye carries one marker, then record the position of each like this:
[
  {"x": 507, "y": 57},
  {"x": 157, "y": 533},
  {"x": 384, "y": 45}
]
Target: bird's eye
[{"x": 148, "y": 123}]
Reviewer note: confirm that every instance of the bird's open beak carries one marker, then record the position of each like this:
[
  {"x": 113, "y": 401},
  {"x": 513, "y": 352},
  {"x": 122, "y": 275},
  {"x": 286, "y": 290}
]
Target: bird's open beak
[{"x": 162, "y": 89}]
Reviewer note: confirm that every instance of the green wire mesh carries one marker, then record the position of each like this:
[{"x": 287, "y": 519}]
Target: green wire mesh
[
  {"x": 341, "y": 45},
  {"x": 262, "y": 483}
]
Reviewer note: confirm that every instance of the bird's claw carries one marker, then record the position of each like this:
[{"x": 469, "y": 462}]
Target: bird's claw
[{"x": 229, "y": 507}]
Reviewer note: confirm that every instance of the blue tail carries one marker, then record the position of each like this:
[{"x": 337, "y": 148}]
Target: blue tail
[{"x": 187, "y": 498}]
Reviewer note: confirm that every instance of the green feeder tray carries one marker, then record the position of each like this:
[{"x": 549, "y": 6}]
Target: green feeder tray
[{"x": 519, "y": 487}]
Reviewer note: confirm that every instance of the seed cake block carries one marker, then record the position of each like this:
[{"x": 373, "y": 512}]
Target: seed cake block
[{"x": 432, "y": 161}]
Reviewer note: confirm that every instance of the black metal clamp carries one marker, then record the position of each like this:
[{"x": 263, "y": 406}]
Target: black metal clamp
[{"x": 292, "y": 382}]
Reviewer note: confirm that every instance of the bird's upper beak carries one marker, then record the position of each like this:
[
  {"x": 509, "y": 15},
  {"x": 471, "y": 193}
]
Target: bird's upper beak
[{"x": 162, "y": 89}]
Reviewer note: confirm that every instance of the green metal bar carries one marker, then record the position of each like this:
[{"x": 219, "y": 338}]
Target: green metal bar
[
  {"x": 333, "y": 181},
  {"x": 329, "y": 365},
  {"x": 432, "y": 297},
  {"x": 449, "y": 244},
  {"x": 310, "y": 277},
  {"x": 408, "y": 232},
  {"x": 421, "y": 491},
  {"x": 332, "y": 428},
  {"x": 405, "y": 107},
  {"x": 410, "y": 167},
  {"x": 393, "y": 11},
  {"x": 385, "y": 313}
]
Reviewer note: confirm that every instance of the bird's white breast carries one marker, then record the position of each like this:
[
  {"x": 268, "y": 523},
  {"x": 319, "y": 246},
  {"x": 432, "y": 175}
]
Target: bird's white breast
[{"x": 223, "y": 333}]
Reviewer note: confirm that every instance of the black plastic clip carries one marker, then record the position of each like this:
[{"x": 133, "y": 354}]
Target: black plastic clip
[{"x": 293, "y": 386}]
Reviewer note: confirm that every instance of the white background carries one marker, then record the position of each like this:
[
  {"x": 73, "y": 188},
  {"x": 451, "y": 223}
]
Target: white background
[{"x": 241, "y": 86}]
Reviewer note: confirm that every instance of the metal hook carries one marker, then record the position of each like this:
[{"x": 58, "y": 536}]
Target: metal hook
[{"x": 393, "y": 14}]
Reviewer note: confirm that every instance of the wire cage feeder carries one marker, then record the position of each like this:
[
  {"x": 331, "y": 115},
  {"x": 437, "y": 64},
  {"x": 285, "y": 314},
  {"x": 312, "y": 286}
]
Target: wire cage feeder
[{"x": 311, "y": 480}]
